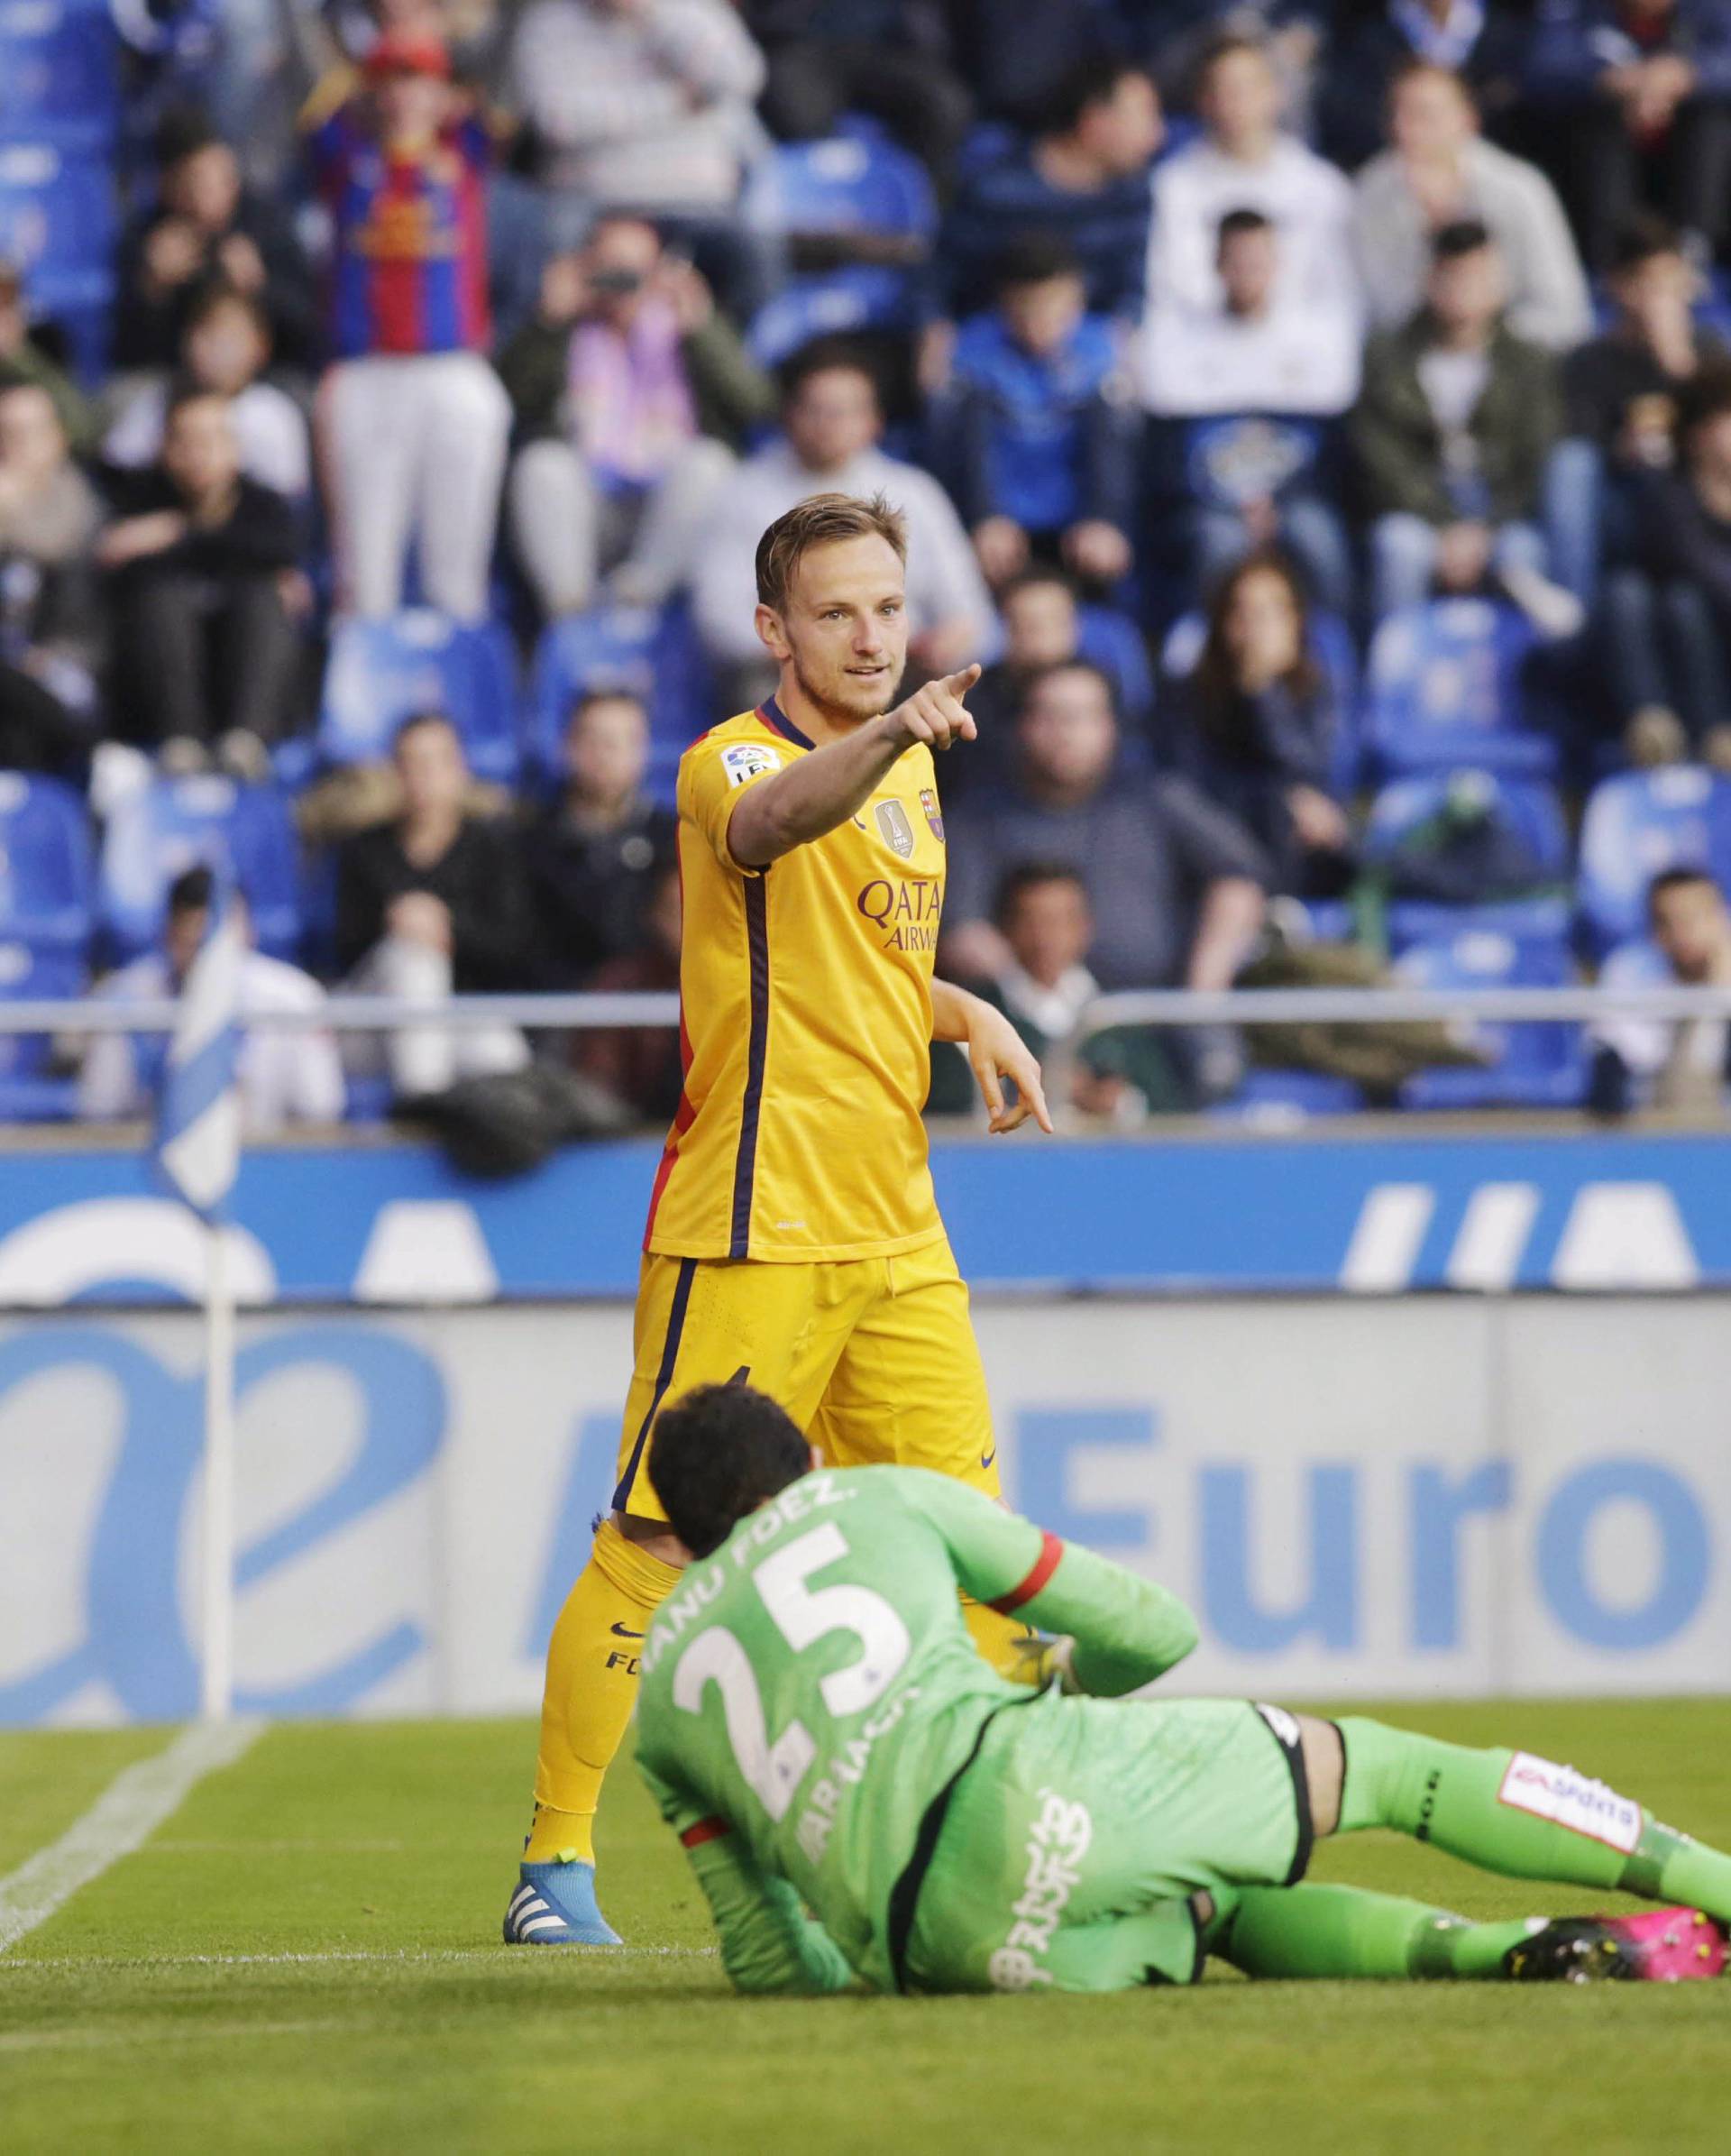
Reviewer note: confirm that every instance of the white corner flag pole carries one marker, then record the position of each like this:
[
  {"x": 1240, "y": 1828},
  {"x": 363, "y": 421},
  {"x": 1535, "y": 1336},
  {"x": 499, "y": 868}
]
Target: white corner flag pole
[
  {"x": 217, "y": 1542},
  {"x": 197, "y": 1152}
]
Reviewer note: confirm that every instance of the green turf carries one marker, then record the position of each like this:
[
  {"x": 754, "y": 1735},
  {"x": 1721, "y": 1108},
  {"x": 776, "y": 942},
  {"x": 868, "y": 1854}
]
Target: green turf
[{"x": 163, "y": 2009}]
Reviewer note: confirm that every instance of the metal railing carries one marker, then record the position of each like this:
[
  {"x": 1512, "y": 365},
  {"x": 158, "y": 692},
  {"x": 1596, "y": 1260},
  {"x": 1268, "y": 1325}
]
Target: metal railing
[{"x": 1581, "y": 1004}]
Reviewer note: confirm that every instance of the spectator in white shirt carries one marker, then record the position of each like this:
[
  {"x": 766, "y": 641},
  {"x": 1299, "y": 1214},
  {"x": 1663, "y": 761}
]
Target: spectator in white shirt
[
  {"x": 1251, "y": 348},
  {"x": 226, "y": 349},
  {"x": 1240, "y": 396},
  {"x": 1440, "y": 170},
  {"x": 1679, "y": 1065},
  {"x": 831, "y": 420},
  {"x": 646, "y": 105},
  {"x": 286, "y": 1074},
  {"x": 1246, "y": 160}
]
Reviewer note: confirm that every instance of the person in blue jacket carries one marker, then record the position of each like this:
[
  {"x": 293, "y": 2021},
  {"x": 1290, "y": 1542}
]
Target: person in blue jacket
[{"x": 1039, "y": 423}]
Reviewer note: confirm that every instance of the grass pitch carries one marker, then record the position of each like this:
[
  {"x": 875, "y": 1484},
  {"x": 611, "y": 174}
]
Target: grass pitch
[{"x": 305, "y": 1956}]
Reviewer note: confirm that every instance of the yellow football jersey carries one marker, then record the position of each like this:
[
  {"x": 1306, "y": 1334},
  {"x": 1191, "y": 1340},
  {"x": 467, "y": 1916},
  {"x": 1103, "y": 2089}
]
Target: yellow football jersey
[{"x": 805, "y": 991}]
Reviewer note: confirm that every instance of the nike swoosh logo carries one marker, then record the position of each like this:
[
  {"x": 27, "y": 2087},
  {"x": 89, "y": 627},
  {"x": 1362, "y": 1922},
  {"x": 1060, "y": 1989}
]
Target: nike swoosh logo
[
  {"x": 625, "y": 1632},
  {"x": 986, "y": 1458}
]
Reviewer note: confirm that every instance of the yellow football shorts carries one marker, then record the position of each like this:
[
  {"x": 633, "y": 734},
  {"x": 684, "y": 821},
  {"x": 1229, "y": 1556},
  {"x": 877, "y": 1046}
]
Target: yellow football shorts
[{"x": 874, "y": 1358}]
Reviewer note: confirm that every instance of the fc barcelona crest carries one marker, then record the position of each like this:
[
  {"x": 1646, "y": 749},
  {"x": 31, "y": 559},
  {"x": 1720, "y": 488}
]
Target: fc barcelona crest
[
  {"x": 898, "y": 832},
  {"x": 934, "y": 814}
]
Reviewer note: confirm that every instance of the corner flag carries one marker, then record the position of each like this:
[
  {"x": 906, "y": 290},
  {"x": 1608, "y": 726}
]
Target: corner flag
[
  {"x": 197, "y": 1146},
  {"x": 197, "y": 1152}
]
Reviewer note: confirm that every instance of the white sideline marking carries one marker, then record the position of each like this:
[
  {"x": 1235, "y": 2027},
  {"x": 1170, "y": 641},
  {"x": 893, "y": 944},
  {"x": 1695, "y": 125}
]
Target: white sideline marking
[
  {"x": 546, "y": 1958},
  {"x": 124, "y": 1816},
  {"x": 60, "y": 2040}
]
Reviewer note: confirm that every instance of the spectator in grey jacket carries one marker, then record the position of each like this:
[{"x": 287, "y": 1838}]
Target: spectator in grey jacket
[
  {"x": 1439, "y": 170},
  {"x": 1175, "y": 884},
  {"x": 1452, "y": 428}
]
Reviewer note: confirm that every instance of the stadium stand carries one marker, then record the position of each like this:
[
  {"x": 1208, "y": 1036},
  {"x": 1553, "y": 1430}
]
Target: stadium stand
[
  {"x": 868, "y": 242},
  {"x": 380, "y": 673},
  {"x": 245, "y": 832}
]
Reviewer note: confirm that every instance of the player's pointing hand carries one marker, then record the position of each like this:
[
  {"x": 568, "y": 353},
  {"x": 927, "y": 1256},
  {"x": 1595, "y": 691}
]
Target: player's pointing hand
[{"x": 935, "y": 714}]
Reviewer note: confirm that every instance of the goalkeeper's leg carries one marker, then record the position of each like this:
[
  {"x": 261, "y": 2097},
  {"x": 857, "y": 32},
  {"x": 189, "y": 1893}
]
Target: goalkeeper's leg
[
  {"x": 1344, "y": 1931},
  {"x": 1510, "y": 1811}
]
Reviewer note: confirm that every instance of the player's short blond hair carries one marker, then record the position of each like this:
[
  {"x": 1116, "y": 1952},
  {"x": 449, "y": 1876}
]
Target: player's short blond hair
[{"x": 822, "y": 520}]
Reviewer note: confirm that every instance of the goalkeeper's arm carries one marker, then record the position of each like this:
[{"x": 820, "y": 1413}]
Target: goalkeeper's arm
[
  {"x": 769, "y": 1941},
  {"x": 1125, "y": 1630}
]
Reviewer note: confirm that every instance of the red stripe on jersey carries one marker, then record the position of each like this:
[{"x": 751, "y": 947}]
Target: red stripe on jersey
[
  {"x": 477, "y": 330},
  {"x": 1050, "y": 1550},
  {"x": 706, "y": 1829},
  {"x": 397, "y": 283}
]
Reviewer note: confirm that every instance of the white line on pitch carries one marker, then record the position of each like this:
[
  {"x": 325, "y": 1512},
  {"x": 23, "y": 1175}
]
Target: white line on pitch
[
  {"x": 545, "y": 1959},
  {"x": 124, "y": 1816}
]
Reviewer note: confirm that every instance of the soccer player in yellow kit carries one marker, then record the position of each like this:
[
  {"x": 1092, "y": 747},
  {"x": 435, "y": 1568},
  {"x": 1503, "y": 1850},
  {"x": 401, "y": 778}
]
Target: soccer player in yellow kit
[{"x": 793, "y": 1237}]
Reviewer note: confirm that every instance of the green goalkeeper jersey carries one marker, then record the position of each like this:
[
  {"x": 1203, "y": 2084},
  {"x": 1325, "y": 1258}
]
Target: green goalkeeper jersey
[{"x": 811, "y": 1689}]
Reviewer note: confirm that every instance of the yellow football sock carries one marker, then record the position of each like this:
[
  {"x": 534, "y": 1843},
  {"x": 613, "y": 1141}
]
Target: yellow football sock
[
  {"x": 592, "y": 1665},
  {"x": 1012, "y": 1647}
]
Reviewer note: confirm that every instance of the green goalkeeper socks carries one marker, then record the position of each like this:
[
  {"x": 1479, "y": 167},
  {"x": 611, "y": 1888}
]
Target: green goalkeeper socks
[
  {"x": 1344, "y": 1932},
  {"x": 1526, "y": 1817}
]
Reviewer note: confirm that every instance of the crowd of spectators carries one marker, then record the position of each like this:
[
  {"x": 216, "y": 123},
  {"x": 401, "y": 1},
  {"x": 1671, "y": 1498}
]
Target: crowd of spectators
[{"x": 1201, "y": 341}]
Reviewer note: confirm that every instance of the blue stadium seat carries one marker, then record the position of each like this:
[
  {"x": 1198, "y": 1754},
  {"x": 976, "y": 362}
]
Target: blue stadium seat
[
  {"x": 1113, "y": 642},
  {"x": 852, "y": 183},
  {"x": 652, "y": 652},
  {"x": 1444, "y": 688},
  {"x": 1330, "y": 649},
  {"x": 1539, "y": 1065},
  {"x": 47, "y": 882},
  {"x": 60, "y": 73},
  {"x": 29, "y": 1092},
  {"x": 839, "y": 303},
  {"x": 380, "y": 673},
  {"x": 174, "y": 823},
  {"x": 56, "y": 222},
  {"x": 1639, "y": 824}
]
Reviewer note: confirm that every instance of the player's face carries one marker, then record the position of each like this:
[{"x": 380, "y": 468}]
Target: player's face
[{"x": 845, "y": 632}]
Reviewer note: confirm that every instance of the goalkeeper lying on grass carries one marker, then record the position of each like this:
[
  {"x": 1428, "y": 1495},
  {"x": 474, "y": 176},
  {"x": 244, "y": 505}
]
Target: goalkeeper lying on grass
[{"x": 819, "y": 1727}]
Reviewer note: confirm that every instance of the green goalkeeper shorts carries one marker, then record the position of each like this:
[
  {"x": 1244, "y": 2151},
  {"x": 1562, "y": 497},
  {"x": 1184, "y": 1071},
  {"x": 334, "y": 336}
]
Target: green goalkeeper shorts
[{"x": 1068, "y": 1852}]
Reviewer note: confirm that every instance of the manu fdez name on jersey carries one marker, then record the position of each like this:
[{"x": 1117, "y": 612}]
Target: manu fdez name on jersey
[{"x": 676, "y": 1615}]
